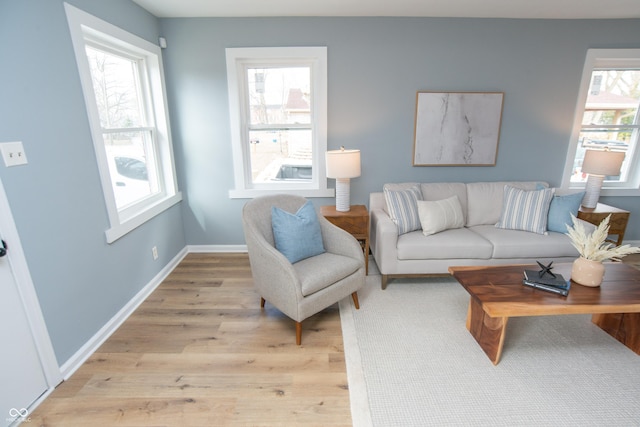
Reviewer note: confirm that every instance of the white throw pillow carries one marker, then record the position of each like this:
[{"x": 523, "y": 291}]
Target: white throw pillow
[
  {"x": 525, "y": 210},
  {"x": 440, "y": 215}
]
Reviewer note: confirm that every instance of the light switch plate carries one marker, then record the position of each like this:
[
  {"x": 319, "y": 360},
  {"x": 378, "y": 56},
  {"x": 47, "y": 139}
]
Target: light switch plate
[{"x": 13, "y": 153}]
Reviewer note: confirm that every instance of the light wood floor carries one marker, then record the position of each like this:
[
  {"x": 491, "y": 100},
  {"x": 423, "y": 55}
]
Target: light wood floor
[{"x": 200, "y": 352}]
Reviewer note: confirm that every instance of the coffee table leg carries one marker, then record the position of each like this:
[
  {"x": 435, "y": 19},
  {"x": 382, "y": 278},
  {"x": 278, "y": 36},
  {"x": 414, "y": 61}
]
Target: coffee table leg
[
  {"x": 488, "y": 331},
  {"x": 625, "y": 327}
]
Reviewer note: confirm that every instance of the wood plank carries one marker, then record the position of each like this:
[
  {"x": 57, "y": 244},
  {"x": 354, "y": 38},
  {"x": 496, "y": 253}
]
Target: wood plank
[
  {"x": 200, "y": 351},
  {"x": 488, "y": 331},
  {"x": 625, "y": 327}
]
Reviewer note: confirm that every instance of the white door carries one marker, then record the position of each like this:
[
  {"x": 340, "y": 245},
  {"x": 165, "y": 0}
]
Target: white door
[
  {"x": 28, "y": 367},
  {"x": 22, "y": 378}
]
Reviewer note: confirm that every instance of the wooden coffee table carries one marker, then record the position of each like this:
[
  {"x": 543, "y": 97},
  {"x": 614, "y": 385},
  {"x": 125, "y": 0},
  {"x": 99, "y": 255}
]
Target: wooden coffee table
[{"x": 497, "y": 294}]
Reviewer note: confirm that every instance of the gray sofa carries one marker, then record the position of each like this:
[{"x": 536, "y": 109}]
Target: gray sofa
[{"x": 478, "y": 242}]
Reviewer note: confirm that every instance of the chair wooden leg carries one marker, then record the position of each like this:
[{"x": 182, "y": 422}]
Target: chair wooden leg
[
  {"x": 262, "y": 301},
  {"x": 298, "y": 333},
  {"x": 355, "y": 300}
]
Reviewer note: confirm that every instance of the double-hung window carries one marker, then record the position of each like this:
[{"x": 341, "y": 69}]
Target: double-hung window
[
  {"x": 123, "y": 85},
  {"x": 608, "y": 118},
  {"x": 278, "y": 113}
]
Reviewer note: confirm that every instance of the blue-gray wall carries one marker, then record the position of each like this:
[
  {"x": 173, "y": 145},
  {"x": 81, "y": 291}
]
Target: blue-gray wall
[
  {"x": 376, "y": 65},
  {"x": 56, "y": 199}
]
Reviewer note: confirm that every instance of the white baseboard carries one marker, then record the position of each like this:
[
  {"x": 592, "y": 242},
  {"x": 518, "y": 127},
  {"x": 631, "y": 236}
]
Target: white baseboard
[
  {"x": 216, "y": 248},
  {"x": 75, "y": 361}
]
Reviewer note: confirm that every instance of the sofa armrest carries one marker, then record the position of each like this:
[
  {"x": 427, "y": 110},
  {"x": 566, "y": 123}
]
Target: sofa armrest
[{"x": 384, "y": 241}]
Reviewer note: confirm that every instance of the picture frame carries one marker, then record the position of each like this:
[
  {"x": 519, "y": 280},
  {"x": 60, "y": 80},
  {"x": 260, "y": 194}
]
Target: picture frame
[{"x": 457, "y": 128}]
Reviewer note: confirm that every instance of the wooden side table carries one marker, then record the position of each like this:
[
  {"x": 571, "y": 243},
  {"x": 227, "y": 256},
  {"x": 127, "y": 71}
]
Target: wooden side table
[
  {"x": 355, "y": 222},
  {"x": 617, "y": 223}
]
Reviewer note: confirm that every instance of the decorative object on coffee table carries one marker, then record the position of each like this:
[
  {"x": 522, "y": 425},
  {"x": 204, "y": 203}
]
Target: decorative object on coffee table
[
  {"x": 593, "y": 248},
  {"x": 546, "y": 280}
]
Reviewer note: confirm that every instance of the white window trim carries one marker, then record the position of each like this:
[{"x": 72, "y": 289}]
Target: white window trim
[
  {"x": 601, "y": 58},
  {"x": 82, "y": 24},
  {"x": 237, "y": 59}
]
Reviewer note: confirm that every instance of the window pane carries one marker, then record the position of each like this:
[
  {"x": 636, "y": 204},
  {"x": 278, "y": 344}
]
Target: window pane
[
  {"x": 600, "y": 139},
  {"x": 116, "y": 89},
  {"x": 613, "y": 97},
  {"x": 279, "y": 95},
  {"x": 280, "y": 155},
  {"x": 131, "y": 166},
  {"x": 612, "y": 103}
]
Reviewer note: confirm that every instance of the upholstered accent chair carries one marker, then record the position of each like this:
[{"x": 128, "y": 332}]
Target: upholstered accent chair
[{"x": 306, "y": 287}]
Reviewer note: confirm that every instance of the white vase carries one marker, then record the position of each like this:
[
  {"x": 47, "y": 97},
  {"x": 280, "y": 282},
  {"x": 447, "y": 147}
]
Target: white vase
[{"x": 587, "y": 272}]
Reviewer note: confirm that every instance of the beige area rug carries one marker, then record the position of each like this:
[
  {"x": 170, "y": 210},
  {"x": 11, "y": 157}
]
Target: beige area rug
[{"x": 412, "y": 362}]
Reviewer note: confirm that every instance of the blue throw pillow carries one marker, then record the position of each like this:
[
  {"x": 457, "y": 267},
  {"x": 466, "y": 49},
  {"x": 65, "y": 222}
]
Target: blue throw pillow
[
  {"x": 561, "y": 209},
  {"x": 297, "y": 236}
]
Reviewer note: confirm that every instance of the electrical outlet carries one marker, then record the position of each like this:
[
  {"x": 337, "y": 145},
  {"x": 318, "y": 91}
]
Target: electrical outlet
[
  {"x": 13, "y": 153},
  {"x": 154, "y": 252}
]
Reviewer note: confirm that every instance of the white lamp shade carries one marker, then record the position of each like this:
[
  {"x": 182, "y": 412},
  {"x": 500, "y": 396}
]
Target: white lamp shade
[
  {"x": 343, "y": 163},
  {"x": 598, "y": 162}
]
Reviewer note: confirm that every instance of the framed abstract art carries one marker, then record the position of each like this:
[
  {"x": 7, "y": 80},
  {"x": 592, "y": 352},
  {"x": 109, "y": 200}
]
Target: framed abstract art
[{"x": 457, "y": 128}]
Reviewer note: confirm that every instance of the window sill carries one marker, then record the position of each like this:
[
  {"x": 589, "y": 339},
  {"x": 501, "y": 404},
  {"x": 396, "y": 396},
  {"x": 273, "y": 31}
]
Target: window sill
[
  {"x": 251, "y": 193},
  {"x": 119, "y": 230},
  {"x": 620, "y": 192},
  {"x": 613, "y": 192}
]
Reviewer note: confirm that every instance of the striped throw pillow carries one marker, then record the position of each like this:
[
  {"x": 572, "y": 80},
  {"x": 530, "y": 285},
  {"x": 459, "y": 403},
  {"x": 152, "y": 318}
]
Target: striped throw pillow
[
  {"x": 525, "y": 210},
  {"x": 402, "y": 206}
]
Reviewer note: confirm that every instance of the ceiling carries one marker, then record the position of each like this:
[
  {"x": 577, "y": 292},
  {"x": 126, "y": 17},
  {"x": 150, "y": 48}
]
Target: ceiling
[{"x": 535, "y": 9}]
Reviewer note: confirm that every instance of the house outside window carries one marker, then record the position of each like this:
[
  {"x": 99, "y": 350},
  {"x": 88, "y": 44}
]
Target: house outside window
[
  {"x": 278, "y": 112},
  {"x": 607, "y": 118},
  {"x": 123, "y": 85}
]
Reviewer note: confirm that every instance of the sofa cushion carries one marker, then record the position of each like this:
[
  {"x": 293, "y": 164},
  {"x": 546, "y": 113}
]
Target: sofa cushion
[
  {"x": 523, "y": 244},
  {"x": 484, "y": 200},
  {"x": 457, "y": 243},
  {"x": 403, "y": 208},
  {"x": 440, "y": 215},
  {"x": 525, "y": 210},
  {"x": 315, "y": 276},
  {"x": 297, "y": 236}
]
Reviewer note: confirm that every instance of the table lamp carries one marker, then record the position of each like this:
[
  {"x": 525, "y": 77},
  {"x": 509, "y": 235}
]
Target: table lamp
[
  {"x": 598, "y": 164},
  {"x": 343, "y": 165}
]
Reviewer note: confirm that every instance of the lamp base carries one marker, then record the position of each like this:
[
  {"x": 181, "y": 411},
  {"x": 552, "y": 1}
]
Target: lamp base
[
  {"x": 343, "y": 202},
  {"x": 594, "y": 184}
]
